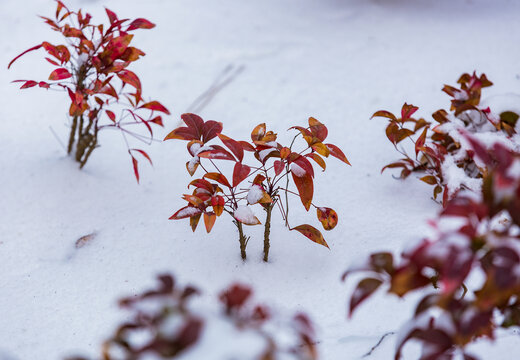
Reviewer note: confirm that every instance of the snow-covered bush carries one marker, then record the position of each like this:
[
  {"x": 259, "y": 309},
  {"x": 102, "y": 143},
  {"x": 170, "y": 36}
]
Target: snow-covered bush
[
  {"x": 270, "y": 185},
  {"x": 91, "y": 66},
  {"x": 473, "y": 261},
  {"x": 442, "y": 152},
  {"x": 165, "y": 324}
]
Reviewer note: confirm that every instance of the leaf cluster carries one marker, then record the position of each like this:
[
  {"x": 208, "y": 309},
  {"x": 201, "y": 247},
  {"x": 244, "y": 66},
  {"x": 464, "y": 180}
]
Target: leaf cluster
[{"x": 476, "y": 234}]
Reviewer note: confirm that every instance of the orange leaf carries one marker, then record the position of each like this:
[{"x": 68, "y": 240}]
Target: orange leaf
[
  {"x": 384, "y": 113},
  {"x": 312, "y": 233},
  {"x": 218, "y": 178},
  {"x": 156, "y": 106},
  {"x": 328, "y": 217},
  {"x": 305, "y": 188},
  {"x": 218, "y": 204},
  {"x": 209, "y": 220},
  {"x": 258, "y": 132},
  {"x": 318, "y": 129}
]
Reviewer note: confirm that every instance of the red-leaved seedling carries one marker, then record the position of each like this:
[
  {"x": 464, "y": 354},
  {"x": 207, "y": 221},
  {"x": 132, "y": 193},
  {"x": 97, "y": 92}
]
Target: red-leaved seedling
[
  {"x": 442, "y": 153},
  {"x": 165, "y": 324},
  {"x": 263, "y": 180},
  {"x": 472, "y": 261},
  {"x": 92, "y": 67}
]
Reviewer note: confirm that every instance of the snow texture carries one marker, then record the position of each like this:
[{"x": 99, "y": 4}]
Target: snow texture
[
  {"x": 254, "y": 194},
  {"x": 336, "y": 60}
]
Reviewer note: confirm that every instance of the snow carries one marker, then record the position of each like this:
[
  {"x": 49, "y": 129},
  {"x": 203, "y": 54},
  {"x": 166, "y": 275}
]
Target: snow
[
  {"x": 336, "y": 60},
  {"x": 297, "y": 170},
  {"x": 255, "y": 193},
  {"x": 189, "y": 211},
  {"x": 244, "y": 214},
  {"x": 455, "y": 177}
]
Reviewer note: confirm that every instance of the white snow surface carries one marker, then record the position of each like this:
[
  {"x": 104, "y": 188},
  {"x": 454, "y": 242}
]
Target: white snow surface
[{"x": 336, "y": 60}]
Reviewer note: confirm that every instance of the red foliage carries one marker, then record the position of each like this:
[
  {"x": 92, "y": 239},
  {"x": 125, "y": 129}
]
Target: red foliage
[
  {"x": 436, "y": 141},
  {"x": 215, "y": 193},
  {"x": 476, "y": 235},
  {"x": 168, "y": 322},
  {"x": 94, "y": 61}
]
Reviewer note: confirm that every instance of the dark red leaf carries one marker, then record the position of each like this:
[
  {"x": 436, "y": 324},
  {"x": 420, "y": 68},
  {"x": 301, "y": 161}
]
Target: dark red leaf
[
  {"x": 140, "y": 23},
  {"x": 60, "y": 74},
  {"x": 240, "y": 172}
]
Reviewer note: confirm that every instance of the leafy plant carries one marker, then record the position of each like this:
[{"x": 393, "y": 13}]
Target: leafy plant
[
  {"x": 441, "y": 151},
  {"x": 269, "y": 175},
  {"x": 473, "y": 263},
  {"x": 92, "y": 67},
  {"x": 164, "y": 325}
]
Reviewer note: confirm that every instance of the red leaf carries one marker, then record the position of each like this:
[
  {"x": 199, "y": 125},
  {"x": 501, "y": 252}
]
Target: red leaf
[
  {"x": 202, "y": 184},
  {"x": 60, "y": 74},
  {"x": 136, "y": 170},
  {"x": 247, "y": 146},
  {"x": 240, "y": 172},
  {"x": 182, "y": 133},
  {"x": 111, "y": 115},
  {"x": 156, "y": 106},
  {"x": 305, "y": 188},
  {"x": 312, "y": 233},
  {"x": 233, "y": 145},
  {"x": 25, "y": 52},
  {"x": 210, "y": 130},
  {"x": 144, "y": 154},
  {"x": 408, "y": 110},
  {"x": 43, "y": 84},
  {"x": 278, "y": 167},
  {"x": 111, "y": 16},
  {"x": 27, "y": 83},
  {"x": 218, "y": 178},
  {"x": 218, "y": 203},
  {"x": 194, "y": 122},
  {"x": 140, "y": 23},
  {"x": 318, "y": 129},
  {"x": 364, "y": 289},
  {"x": 328, "y": 217},
  {"x": 337, "y": 153},
  {"x": 130, "y": 78},
  {"x": 420, "y": 141}
]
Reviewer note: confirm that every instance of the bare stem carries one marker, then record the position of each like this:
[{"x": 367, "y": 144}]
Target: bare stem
[
  {"x": 242, "y": 239},
  {"x": 267, "y": 230}
]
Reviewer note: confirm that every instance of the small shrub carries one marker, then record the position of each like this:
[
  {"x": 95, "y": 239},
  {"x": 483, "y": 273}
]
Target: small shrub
[
  {"x": 273, "y": 167},
  {"x": 441, "y": 151},
  {"x": 164, "y": 325},
  {"x": 473, "y": 263},
  {"x": 92, "y": 67}
]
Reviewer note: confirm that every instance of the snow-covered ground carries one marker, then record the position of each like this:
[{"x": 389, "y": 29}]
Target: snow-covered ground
[{"x": 336, "y": 60}]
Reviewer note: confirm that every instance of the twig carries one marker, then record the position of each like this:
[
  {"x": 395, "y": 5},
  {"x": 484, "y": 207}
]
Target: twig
[
  {"x": 223, "y": 79},
  {"x": 378, "y": 343},
  {"x": 57, "y": 138}
]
